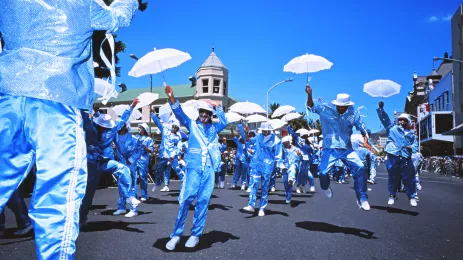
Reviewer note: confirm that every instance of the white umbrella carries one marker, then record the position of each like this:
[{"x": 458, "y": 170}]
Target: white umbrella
[
  {"x": 307, "y": 63},
  {"x": 120, "y": 109},
  {"x": 277, "y": 123},
  {"x": 303, "y": 132},
  {"x": 247, "y": 108},
  {"x": 146, "y": 99},
  {"x": 158, "y": 61},
  {"x": 314, "y": 131},
  {"x": 291, "y": 116},
  {"x": 381, "y": 88},
  {"x": 165, "y": 112},
  {"x": 256, "y": 118},
  {"x": 283, "y": 110},
  {"x": 104, "y": 89},
  {"x": 233, "y": 117}
]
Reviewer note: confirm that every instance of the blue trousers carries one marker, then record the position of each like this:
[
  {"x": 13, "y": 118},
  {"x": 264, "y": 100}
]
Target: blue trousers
[
  {"x": 18, "y": 206},
  {"x": 197, "y": 184},
  {"x": 142, "y": 167},
  {"x": 178, "y": 170},
  {"x": 289, "y": 174},
  {"x": 399, "y": 167},
  {"x": 251, "y": 177},
  {"x": 305, "y": 175},
  {"x": 241, "y": 171},
  {"x": 273, "y": 179},
  {"x": 258, "y": 177},
  {"x": 51, "y": 135},
  {"x": 220, "y": 175},
  {"x": 106, "y": 166},
  {"x": 350, "y": 158}
]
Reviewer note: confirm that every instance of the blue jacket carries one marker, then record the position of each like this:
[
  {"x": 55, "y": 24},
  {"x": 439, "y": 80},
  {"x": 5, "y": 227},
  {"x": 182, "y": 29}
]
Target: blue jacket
[
  {"x": 91, "y": 138},
  {"x": 302, "y": 145},
  {"x": 337, "y": 129},
  {"x": 397, "y": 138},
  {"x": 48, "y": 46},
  {"x": 169, "y": 142},
  {"x": 128, "y": 148},
  {"x": 267, "y": 154},
  {"x": 203, "y": 145},
  {"x": 241, "y": 153},
  {"x": 108, "y": 137},
  {"x": 144, "y": 155},
  {"x": 290, "y": 158}
]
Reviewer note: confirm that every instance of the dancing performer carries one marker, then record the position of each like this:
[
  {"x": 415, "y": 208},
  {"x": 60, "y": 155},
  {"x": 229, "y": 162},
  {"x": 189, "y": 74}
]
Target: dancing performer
[
  {"x": 291, "y": 158},
  {"x": 305, "y": 174}
]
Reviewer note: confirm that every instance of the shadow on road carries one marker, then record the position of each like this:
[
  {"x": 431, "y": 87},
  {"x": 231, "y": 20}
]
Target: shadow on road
[
  {"x": 206, "y": 241},
  {"x": 396, "y": 210},
  {"x": 293, "y": 204},
  {"x": 176, "y": 194},
  {"x": 297, "y": 195},
  {"x": 96, "y": 226},
  {"x": 16, "y": 241},
  {"x": 93, "y": 207},
  {"x": 213, "y": 206},
  {"x": 110, "y": 212},
  {"x": 329, "y": 228},
  {"x": 267, "y": 213}
]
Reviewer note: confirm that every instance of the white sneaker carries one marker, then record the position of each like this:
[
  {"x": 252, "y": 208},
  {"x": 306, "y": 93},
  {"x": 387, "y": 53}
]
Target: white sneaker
[
  {"x": 222, "y": 184},
  {"x": 233, "y": 186},
  {"x": 119, "y": 212},
  {"x": 192, "y": 241},
  {"x": 166, "y": 188},
  {"x": 329, "y": 193},
  {"x": 365, "y": 205},
  {"x": 288, "y": 201},
  {"x": 131, "y": 214},
  {"x": 134, "y": 201},
  {"x": 172, "y": 243},
  {"x": 248, "y": 190},
  {"x": 243, "y": 187},
  {"x": 391, "y": 201},
  {"x": 413, "y": 202},
  {"x": 154, "y": 188},
  {"x": 142, "y": 199},
  {"x": 298, "y": 190},
  {"x": 418, "y": 186},
  {"x": 261, "y": 213},
  {"x": 272, "y": 189},
  {"x": 249, "y": 208},
  {"x": 312, "y": 189}
]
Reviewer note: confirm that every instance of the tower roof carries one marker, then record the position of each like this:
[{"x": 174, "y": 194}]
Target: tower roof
[{"x": 213, "y": 61}]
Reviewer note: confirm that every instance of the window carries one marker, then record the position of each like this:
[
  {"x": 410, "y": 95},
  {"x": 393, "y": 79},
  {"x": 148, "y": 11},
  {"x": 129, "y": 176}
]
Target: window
[
  {"x": 224, "y": 88},
  {"x": 216, "y": 90},
  {"x": 447, "y": 97},
  {"x": 431, "y": 107},
  {"x": 156, "y": 110},
  {"x": 205, "y": 85},
  {"x": 216, "y": 82}
]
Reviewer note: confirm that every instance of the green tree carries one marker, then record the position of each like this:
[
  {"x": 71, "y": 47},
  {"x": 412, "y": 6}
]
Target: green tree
[{"x": 98, "y": 36}]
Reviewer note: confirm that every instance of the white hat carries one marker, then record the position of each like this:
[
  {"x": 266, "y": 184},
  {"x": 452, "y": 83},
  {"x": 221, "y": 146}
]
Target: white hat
[
  {"x": 342, "y": 100},
  {"x": 145, "y": 126},
  {"x": 286, "y": 139},
  {"x": 405, "y": 116},
  {"x": 266, "y": 126},
  {"x": 104, "y": 120},
  {"x": 206, "y": 106}
]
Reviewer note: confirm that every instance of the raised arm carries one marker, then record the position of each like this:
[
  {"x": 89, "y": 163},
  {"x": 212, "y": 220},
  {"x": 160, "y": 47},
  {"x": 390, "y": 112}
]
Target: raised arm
[
  {"x": 126, "y": 115},
  {"x": 157, "y": 121},
  {"x": 110, "y": 18},
  {"x": 177, "y": 109},
  {"x": 308, "y": 90},
  {"x": 383, "y": 117},
  {"x": 223, "y": 122}
]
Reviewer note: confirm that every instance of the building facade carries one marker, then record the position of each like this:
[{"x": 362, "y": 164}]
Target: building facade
[{"x": 457, "y": 53}]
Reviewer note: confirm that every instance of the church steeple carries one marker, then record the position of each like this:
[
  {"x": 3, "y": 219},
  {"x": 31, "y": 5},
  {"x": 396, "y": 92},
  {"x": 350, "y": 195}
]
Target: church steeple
[{"x": 212, "y": 77}]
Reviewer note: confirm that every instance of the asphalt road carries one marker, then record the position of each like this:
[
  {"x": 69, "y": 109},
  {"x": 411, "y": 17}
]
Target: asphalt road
[{"x": 311, "y": 227}]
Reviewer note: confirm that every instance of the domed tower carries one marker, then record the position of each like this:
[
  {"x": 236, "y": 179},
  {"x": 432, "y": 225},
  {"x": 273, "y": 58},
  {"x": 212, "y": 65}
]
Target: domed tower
[{"x": 212, "y": 80}]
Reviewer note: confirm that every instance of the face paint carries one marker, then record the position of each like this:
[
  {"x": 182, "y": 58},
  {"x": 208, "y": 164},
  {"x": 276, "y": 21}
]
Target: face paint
[
  {"x": 205, "y": 116},
  {"x": 341, "y": 109},
  {"x": 174, "y": 129},
  {"x": 403, "y": 122},
  {"x": 287, "y": 144}
]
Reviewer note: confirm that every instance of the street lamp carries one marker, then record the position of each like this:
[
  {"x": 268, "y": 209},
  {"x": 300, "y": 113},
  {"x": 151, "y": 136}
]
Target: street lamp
[
  {"x": 151, "y": 90},
  {"x": 279, "y": 83},
  {"x": 444, "y": 59}
]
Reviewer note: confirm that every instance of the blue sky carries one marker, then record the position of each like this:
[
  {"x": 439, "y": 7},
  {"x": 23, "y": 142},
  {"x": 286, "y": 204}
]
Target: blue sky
[{"x": 366, "y": 40}]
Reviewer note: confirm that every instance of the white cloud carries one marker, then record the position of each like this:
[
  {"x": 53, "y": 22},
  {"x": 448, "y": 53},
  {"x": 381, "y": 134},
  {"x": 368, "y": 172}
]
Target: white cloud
[
  {"x": 447, "y": 18},
  {"x": 433, "y": 19}
]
